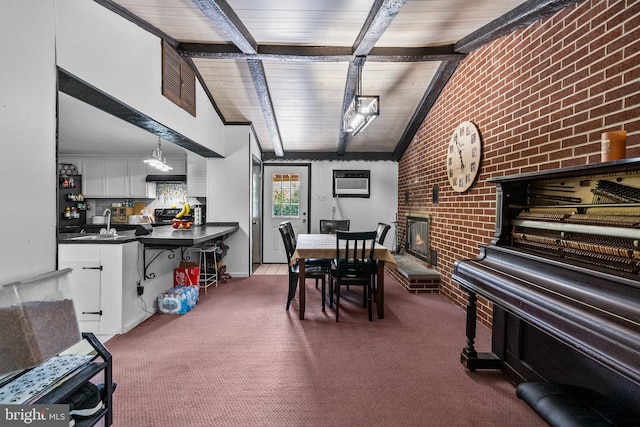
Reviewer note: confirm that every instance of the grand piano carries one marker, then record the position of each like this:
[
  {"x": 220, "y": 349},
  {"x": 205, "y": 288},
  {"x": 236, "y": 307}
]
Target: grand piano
[{"x": 563, "y": 275}]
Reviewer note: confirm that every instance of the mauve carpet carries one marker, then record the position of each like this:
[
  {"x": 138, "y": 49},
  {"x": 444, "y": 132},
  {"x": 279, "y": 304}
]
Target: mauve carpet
[{"x": 239, "y": 359}]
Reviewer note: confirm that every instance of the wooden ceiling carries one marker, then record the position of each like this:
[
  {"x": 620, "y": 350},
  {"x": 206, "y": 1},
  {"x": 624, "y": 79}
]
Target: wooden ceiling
[{"x": 287, "y": 66}]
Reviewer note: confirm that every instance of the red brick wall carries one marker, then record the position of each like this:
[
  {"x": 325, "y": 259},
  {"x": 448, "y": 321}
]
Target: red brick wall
[{"x": 540, "y": 97}]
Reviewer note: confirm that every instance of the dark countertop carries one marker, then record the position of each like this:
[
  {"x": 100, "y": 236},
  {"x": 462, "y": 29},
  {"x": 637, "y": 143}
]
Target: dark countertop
[
  {"x": 168, "y": 236},
  {"x": 162, "y": 236}
]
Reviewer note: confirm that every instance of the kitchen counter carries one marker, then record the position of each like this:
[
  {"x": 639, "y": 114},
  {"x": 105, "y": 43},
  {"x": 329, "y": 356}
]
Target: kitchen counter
[
  {"x": 170, "y": 237},
  {"x": 162, "y": 236}
]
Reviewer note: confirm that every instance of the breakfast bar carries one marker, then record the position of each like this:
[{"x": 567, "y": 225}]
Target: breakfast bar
[
  {"x": 169, "y": 239},
  {"x": 114, "y": 277},
  {"x": 163, "y": 238}
]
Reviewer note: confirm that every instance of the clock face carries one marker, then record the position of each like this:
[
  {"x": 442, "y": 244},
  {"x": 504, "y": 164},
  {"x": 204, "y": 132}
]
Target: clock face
[{"x": 463, "y": 156}]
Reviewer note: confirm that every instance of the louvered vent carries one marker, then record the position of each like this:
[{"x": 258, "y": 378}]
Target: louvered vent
[{"x": 178, "y": 80}]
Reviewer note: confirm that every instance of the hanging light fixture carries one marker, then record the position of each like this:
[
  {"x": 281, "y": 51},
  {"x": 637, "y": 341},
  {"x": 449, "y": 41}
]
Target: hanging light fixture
[
  {"x": 362, "y": 109},
  {"x": 157, "y": 160}
]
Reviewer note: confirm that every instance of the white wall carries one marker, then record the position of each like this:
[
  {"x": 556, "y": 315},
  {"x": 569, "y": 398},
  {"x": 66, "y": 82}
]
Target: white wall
[
  {"x": 229, "y": 196},
  {"x": 27, "y": 139},
  {"x": 364, "y": 213},
  {"x": 124, "y": 61}
]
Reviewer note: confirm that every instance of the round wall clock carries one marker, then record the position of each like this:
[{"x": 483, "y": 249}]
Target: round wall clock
[{"x": 463, "y": 156}]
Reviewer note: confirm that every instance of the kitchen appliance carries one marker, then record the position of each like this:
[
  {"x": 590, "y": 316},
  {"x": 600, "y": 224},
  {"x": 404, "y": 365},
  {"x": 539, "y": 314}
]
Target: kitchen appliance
[
  {"x": 166, "y": 215},
  {"x": 134, "y": 219},
  {"x": 98, "y": 219}
]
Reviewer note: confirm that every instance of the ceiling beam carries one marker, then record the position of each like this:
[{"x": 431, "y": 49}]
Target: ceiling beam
[
  {"x": 83, "y": 91},
  {"x": 222, "y": 15},
  {"x": 315, "y": 155},
  {"x": 264, "y": 97},
  {"x": 439, "y": 81},
  {"x": 521, "y": 16},
  {"x": 380, "y": 16},
  {"x": 382, "y": 13},
  {"x": 289, "y": 53}
]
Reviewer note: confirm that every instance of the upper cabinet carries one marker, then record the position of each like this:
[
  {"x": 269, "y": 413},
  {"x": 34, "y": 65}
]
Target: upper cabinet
[
  {"x": 93, "y": 172},
  {"x": 138, "y": 187},
  {"x": 117, "y": 177},
  {"x": 116, "y": 182}
]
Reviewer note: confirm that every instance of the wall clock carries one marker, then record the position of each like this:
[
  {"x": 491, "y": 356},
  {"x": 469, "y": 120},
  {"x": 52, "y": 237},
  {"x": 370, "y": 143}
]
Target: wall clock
[{"x": 463, "y": 156}]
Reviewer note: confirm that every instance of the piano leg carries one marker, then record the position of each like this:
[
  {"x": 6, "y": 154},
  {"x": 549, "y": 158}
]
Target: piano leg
[{"x": 470, "y": 358}]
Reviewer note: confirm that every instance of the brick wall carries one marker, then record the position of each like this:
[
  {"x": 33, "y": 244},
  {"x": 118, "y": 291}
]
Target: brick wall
[{"x": 540, "y": 97}]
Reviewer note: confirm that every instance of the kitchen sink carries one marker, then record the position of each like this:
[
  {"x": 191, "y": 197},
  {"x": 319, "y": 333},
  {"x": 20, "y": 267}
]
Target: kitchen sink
[{"x": 97, "y": 237}]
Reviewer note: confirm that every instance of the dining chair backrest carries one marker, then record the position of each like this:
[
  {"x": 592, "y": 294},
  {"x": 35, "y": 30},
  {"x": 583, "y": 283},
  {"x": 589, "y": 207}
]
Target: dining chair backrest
[
  {"x": 354, "y": 251},
  {"x": 381, "y": 232},
  {"x": 354, "y": 264},
  {"x": 331, "y": 226},
  {"x": 286, "y": 241},
  {"x": 292, "y": 234}
]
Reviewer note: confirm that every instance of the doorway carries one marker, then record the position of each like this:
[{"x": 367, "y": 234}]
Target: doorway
[
  {"x": 286, "y": 198},
  {"x": 256, "y": 213}
]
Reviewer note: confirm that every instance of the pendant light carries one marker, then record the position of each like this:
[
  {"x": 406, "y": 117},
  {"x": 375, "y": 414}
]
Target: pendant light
[
  {"x": 362, "y": 109},
  {"x": 157, "y": 160}
]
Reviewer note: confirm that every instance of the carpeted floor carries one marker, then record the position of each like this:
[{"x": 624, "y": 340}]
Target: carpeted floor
[{"x": 239, "y": 359}]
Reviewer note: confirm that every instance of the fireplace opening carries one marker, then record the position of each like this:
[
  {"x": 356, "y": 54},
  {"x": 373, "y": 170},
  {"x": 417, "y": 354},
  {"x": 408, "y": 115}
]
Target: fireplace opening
[{"x": 417, "y": 237}]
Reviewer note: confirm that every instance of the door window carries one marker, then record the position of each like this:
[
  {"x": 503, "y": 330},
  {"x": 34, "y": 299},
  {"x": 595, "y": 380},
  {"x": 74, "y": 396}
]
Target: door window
[{"x": 285, "y": 194}]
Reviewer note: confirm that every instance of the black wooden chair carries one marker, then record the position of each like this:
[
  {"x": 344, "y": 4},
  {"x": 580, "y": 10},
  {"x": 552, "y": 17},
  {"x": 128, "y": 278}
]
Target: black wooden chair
[
  {"x": 316, "y": 272},
  {"x": 354, "y": 265},
  {"x": 330, "y": 226},
  {"x": 326, "y": 263},
  {"x": 292, "y": 234},
  {"x": 381, "y": 232}
]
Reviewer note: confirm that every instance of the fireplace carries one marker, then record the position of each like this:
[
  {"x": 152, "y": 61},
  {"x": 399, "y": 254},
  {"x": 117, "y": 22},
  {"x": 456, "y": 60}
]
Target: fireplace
[{"x": 417, "y": 237}]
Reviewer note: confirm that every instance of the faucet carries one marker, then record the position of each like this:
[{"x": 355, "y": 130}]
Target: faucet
[{"x": 107, "y": 213}]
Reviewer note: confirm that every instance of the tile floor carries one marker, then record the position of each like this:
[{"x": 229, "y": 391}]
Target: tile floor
[{"x": 272, "y": 269}]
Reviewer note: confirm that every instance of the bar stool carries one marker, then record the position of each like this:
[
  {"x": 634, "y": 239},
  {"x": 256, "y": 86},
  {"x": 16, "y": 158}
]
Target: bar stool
[{"x": 208, "y": 271}]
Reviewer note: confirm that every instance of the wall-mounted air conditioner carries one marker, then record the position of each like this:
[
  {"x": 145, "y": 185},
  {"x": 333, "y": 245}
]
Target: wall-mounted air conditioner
[{"x": 351, "y": 183}]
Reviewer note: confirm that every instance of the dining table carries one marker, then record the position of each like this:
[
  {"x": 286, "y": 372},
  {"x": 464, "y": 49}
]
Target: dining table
[{"x": 323, "y": 246}]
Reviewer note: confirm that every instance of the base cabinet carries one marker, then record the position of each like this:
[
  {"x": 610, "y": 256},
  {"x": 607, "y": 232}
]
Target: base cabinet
[{"x": 103, "y": 282}]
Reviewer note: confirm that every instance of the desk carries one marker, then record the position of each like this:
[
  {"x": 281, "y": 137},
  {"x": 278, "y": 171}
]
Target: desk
[{"x": 324, "y": 246}]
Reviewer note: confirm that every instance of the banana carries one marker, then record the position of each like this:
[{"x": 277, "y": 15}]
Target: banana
[
  {"x": 188, "y": 208},
  {"x": 183, "y": 212}
]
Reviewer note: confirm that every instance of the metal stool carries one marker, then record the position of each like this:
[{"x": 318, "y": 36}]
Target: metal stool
[{"x": 208, "y": 272}]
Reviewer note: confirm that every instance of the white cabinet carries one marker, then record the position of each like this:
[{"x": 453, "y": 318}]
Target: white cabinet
[
  {"x": 93, "y": 177},
  {"x": 103, "y": 282},
  {"x": 85, "y": 281},
  {"x": 137, "y": 180},
  {"x": 123, "y": 178},
  {"x": 116, "y": 180}
]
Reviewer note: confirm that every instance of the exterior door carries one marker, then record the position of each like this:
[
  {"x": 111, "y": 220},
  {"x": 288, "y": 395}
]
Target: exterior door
[{"x": 286, "y": 198}]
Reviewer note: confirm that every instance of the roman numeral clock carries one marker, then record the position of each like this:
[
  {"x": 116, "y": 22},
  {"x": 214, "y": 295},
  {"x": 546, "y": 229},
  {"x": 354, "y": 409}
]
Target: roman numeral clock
[{"x": 463, "y": 156}]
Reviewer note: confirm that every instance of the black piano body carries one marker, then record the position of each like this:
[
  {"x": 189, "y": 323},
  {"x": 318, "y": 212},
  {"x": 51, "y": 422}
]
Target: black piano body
[{"x": 563, "y": 274}]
